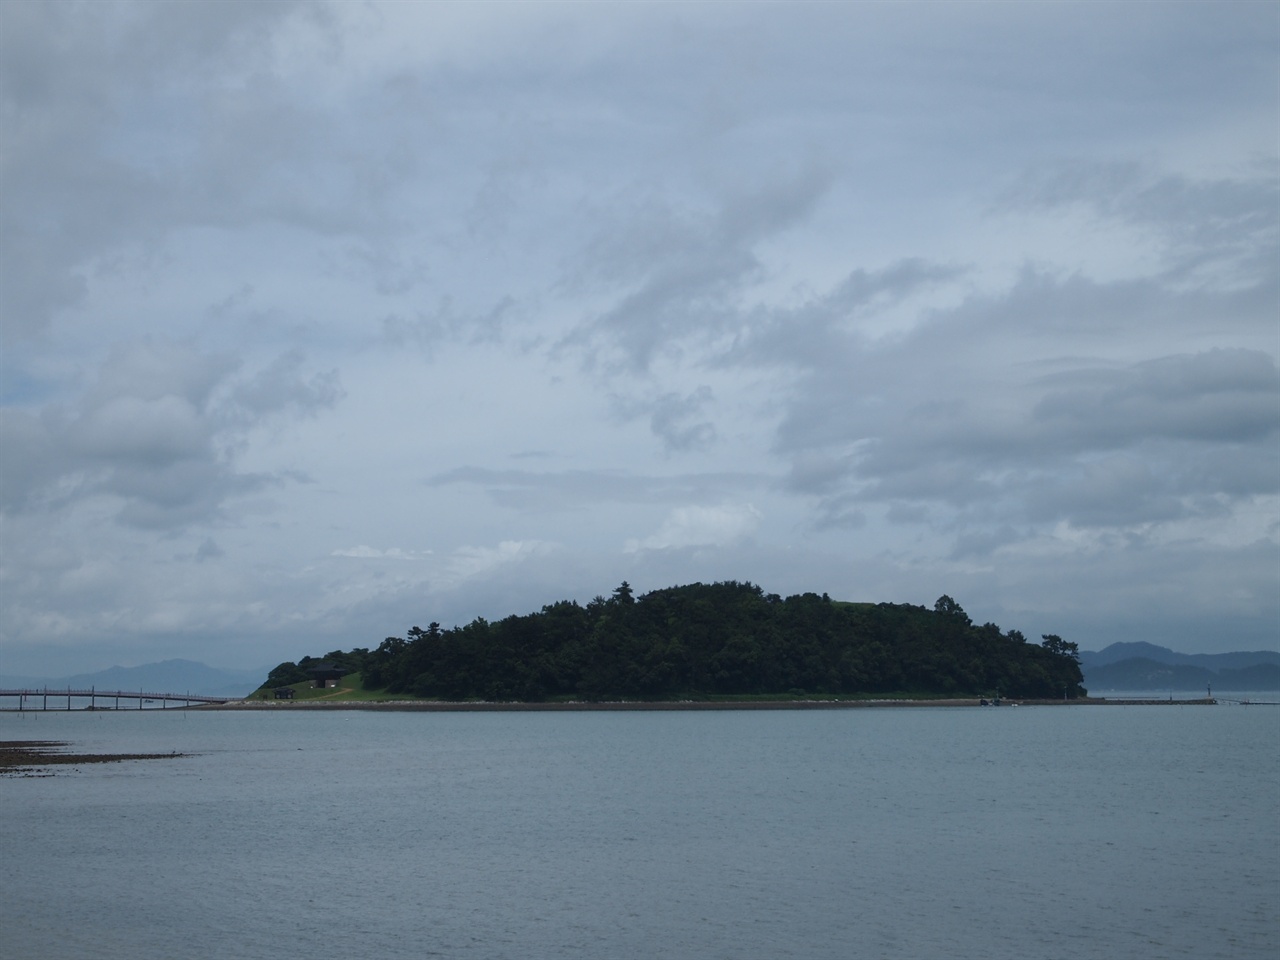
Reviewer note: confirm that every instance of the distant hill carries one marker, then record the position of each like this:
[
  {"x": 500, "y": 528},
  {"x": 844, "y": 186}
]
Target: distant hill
[
  {"x": 167, "y": 676},
  {"x": 1149, "y": 651},
  {"x": 1146, "y": 666}
]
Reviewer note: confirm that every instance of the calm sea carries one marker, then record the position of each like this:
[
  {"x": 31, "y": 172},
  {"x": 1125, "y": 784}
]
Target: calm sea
[{"x": 1030, "y": 832}]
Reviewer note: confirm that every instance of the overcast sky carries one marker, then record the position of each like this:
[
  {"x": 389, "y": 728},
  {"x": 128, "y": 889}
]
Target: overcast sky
[{"x": 325, "y": 320}]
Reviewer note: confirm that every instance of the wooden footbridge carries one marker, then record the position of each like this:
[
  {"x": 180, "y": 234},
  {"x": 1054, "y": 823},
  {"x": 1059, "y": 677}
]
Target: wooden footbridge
[{"x": 39, "y": 699}]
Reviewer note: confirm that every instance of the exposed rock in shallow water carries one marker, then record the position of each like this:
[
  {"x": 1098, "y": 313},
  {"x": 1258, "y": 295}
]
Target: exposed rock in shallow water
[{"x": 29, "y": 757}]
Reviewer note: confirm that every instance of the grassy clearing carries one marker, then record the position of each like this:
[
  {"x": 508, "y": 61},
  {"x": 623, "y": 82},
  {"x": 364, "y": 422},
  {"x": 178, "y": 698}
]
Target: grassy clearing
[{"x": 349, "y": 687}]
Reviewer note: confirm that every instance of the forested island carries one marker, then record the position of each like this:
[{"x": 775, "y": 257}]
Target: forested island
[{"x": 704, "y": 641}]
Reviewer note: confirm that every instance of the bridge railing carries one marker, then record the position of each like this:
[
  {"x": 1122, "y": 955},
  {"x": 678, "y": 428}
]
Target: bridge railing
[{"x": 95, "y": 694}]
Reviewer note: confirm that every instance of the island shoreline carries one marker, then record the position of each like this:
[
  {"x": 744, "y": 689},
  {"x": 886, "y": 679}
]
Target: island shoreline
[{"x": 444, "y": 706}]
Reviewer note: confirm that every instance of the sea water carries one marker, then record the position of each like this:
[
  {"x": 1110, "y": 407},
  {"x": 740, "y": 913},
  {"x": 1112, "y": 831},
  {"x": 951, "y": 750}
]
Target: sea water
[{"x": 1047, "y": 832}]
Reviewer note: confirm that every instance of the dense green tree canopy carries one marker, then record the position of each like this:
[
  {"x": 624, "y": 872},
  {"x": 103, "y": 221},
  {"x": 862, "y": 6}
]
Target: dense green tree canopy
[{"x": 715, "y": 639}]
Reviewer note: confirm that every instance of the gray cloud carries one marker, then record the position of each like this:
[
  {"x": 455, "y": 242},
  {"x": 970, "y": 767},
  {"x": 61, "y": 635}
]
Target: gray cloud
[
  {"x": 836, "y": 297},
  {"x": 989, "y": 409},
  {"x": 197, "y": 129},
  {"x": 208, "y": 550},
  {"x": 1220, "y": 396},
  {"x": 676, "y": 420},
  {"x": 281, "y": 387},
  {"x": 683, "y": 270},
  {"x": 446, "y": 323},
  {"x": 155, "y": 433},
  {"x": 1224, "y": 229}
]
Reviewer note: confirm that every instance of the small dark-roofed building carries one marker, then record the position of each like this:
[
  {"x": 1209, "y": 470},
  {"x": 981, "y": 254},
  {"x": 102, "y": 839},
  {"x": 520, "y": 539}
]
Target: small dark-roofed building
[{"x": 325, "y": 674}]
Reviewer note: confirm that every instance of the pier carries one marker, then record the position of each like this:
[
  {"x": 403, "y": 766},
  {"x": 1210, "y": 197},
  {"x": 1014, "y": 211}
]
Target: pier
[{"x": 47, "y": 699}]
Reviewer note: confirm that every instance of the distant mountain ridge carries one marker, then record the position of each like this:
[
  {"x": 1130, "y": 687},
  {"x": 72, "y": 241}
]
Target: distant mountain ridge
[
  {"x": 1210, "y": 661},
  {"x": 1145, "y": 666},
  {"x": 167, "y": 676}
]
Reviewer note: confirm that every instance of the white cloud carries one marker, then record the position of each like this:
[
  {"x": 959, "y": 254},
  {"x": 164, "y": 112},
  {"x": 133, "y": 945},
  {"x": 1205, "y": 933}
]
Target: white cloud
[
  {"x": 363, "y": 552},
  {"x": 470, "y": 562},
  {"x": 696, "y": 526}
]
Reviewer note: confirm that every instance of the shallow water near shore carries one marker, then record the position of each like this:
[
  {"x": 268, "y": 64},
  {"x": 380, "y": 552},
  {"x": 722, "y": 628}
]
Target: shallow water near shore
[{"x": 912, "y": 833}]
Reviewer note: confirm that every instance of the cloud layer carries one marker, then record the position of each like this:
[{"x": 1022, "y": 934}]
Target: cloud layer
[{"x": 320, "y": 320}]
